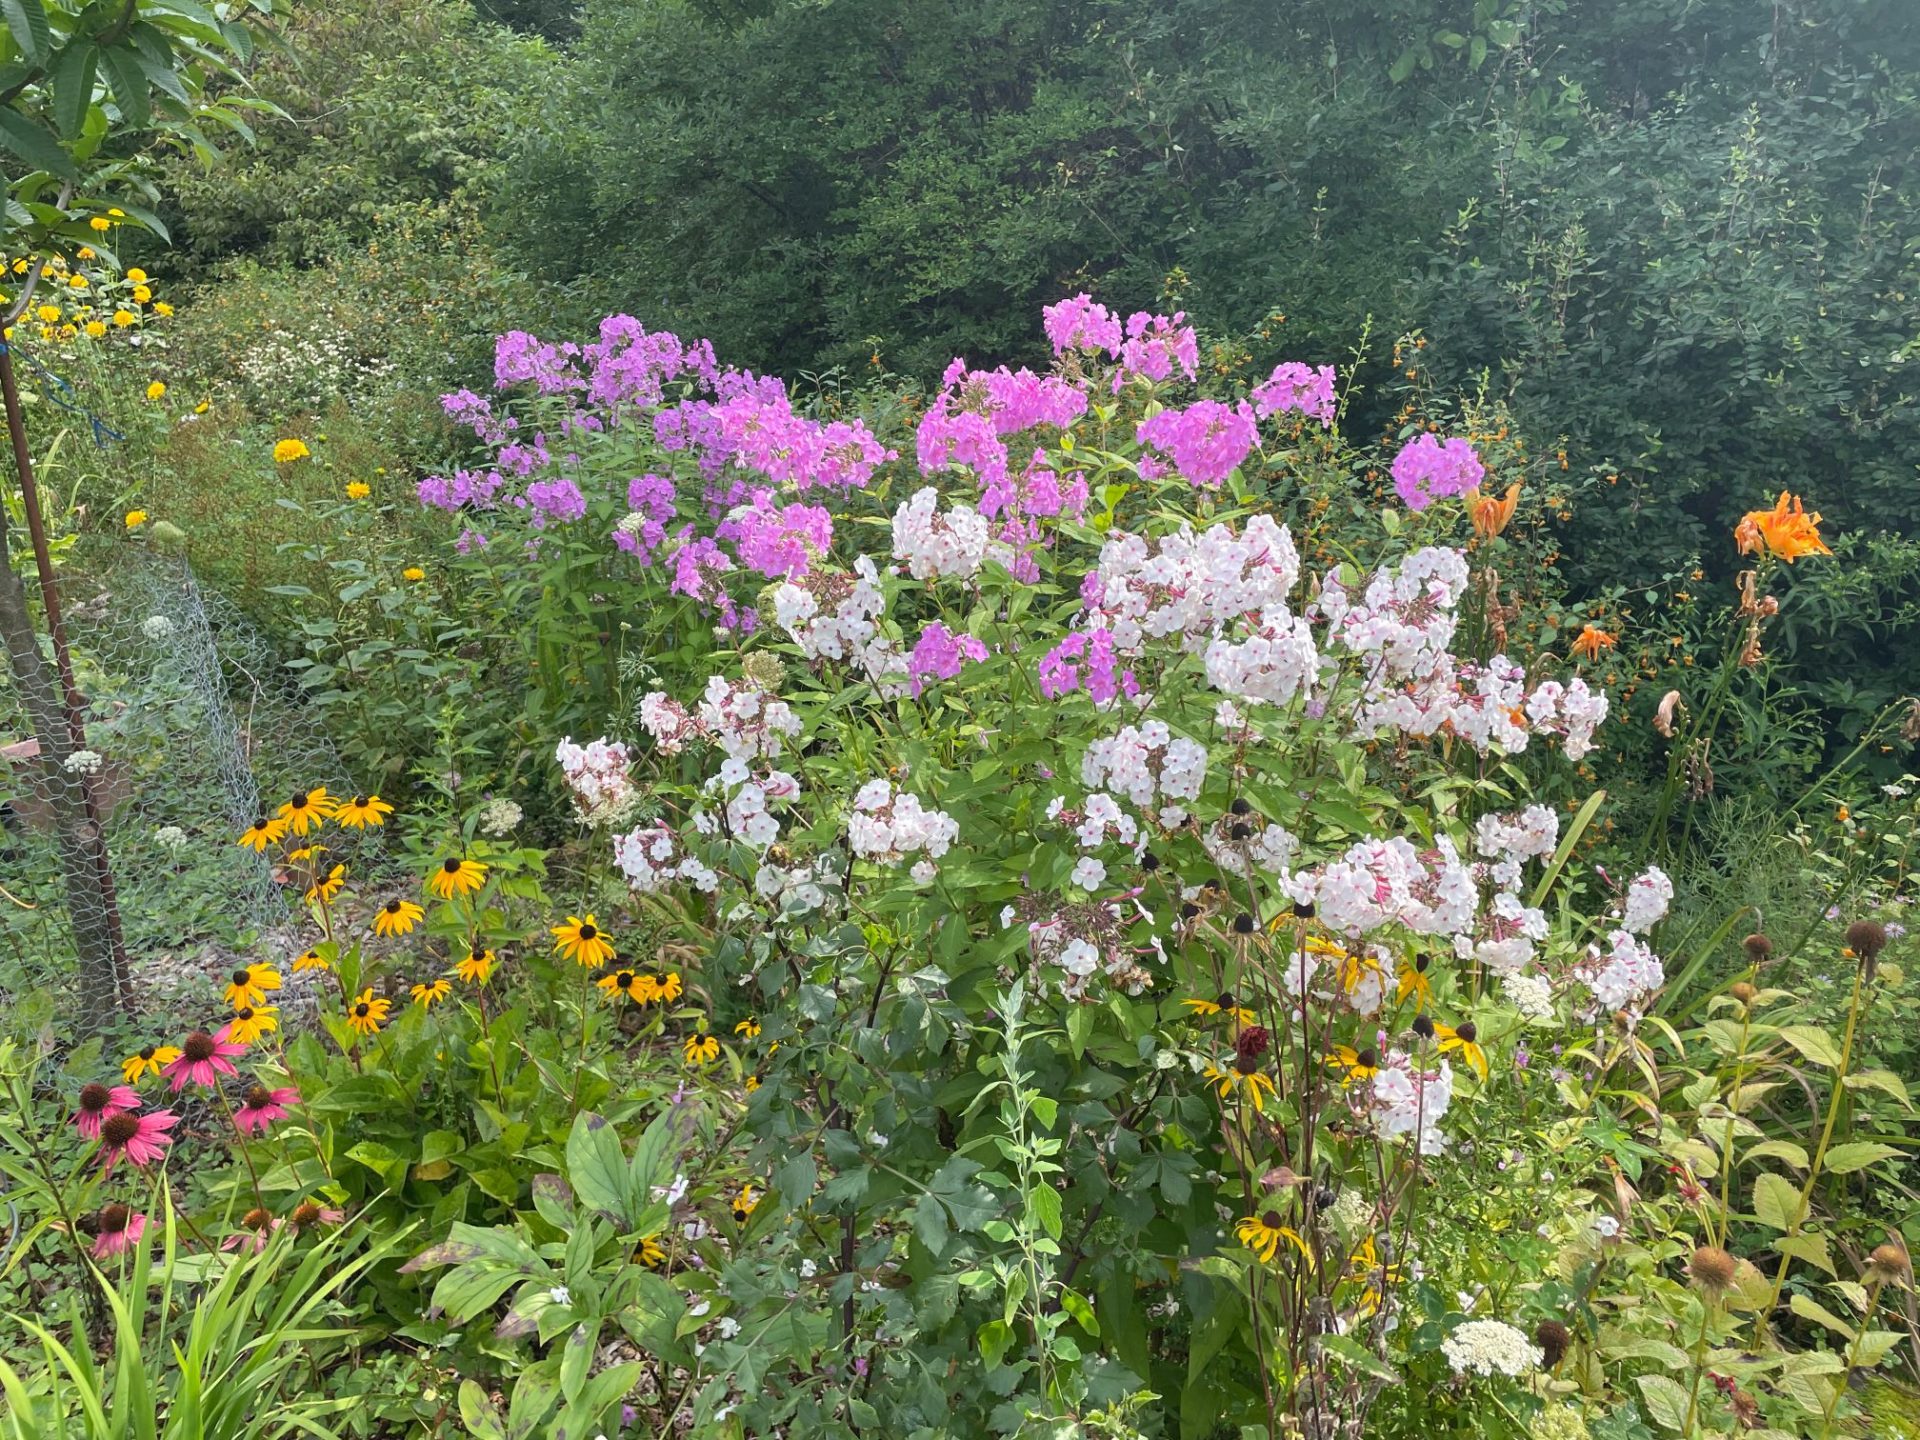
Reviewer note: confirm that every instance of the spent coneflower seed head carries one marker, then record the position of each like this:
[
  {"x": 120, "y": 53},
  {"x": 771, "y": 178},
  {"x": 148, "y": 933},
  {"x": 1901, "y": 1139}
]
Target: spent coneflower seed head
[
  {"x": 304, "y": 1214},
  {"x": 1867, "y": 938},
  {"x": 112, "y": 1219},
  {"x": 1712, "y": 1269},
  {"x": 1423, "y": 1026},
  {"x": 1240, "y": 807},
  {"x": 1189, "y": 910},
  {"x": 1149, "y": 861},
  {"x": 1243, "y": 924},
  {"x": 1240, "y": 830},
  {"x": 258, "y": 1218},
  {"x": 1743, "y": 992},
  {"x": 1890, "y": 1264},
  {"x": 1254, "y": 1041},
  {"x": 1552, "y": 1337},
  {"x": 1758, "y": 947}
]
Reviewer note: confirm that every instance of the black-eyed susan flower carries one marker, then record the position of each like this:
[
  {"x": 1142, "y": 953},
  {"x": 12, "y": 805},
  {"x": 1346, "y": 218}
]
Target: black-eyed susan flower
[
  {"x": 749, "y": 1028},
  {"x": 744, "y": 1204},
  {"x": 250, "y": 984},
  {"x": 303, "y": 854},
  {"x": 149, "y": 1061},
  {"x": 1228, "y": 1077},
  {"x": 477, "y": 968},
  {"x": 362, "y": 811},
  {"x": 427, "y": 995},
  {"x": 248, "y": 1024},
  {"x": 396, "y": 917},
  {"x": 326, "y": 891},
  {"x": 629, "y": 983},
  {"x": 455, "y": 876},
  {"x": 1263, "y": 1233},
  {"x": 649, "y": 1253},
  {"x": 1466, "y": 1040},
  {"x": 1361, "y": 1064},
  {"x": 1415, "y": 981},
  {"x": 310, "y": 960},
  {"x": 307, "y": 810},
  {"x": 583, "y": 942},
  {"x": 753, "y": 1083},
  {"x": 667, "y": 986},
  {"x": 368, "y": 1012},
  {"x": 1225, "y": 1005},
  {"x": 262, "y": 833},
  {"x": 1364, "y": 1267},
  {"x": 701, "y": 1048}
]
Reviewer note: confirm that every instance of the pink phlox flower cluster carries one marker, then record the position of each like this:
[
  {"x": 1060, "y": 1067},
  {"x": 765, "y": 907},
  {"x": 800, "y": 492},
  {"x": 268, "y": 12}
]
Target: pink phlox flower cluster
[
  {"x": 750, "y": 798},
  {"x": 1205, "y": 440},
  {"x": 1085, "y": 939},
  {"x": 463, "y": 407},
  {"x": 967, "y": 423},
  {"x": 475, "y": 488},
  {"x": 1648, "y": 897},
  {"x": 1624, "y": 975},
  {"x": 632, "y": 365},
  {"x": 1147, "y": 764},
  {"x": 1572, "y": 711},
  {"x": 652, "y": 858},
  {"x": 778, "y": 541},
  {"x": 667, "y": 722},
  {"x": 1038, "y": 492},
  {"x": 1157, "y": 345},
  {"x": 745, "y": 721},
  {"x": 1306, "y": 389},
  {"x": 599, "y": 778},
  {"x": 887, "y": 825},
  {"x": 1097, "y": 821},
  {"x": 521, "y": 358},
  {"x": 1505, "y": 939},
  {"x": 1389, "y": 882},
  {"x": 1406, "y": 1100},
  {"x": 1427, "y": 470},
  {"x": 953, "y": 543},
  {"x": 1082, "y": 323},
  {"x": 940, "y": 653},
  {"x": 557, "y": 499},
  {"x": 1089, "y": 658},
  {"x": 650, "y": 507}
]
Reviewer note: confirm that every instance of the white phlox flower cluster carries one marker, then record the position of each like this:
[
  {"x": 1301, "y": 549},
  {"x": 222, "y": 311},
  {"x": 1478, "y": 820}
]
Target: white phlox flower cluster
[
  {"x": 1509, "y": 841},
  {"x": 1146, "y": 763},
  {"x": 1097, "y": 821},
  {"x": 1648, "y": 897},
  {"x": 652, "y": 857},
  {"x": 750, "y": 798},
  {"x": 1490, "y": 1347},
  {"x": 799, "y": 889},
  {"x": 1506, "y": 937},
  {"x": 598, "y": 777},
  {"x": 1085, "y": 940},
  {"x": 1624, "y": 975},
  {"x": 837, "y": 617},
  {"x": 1405, "y": 1100},
  {"x": 745, "y": 721},
  {"x": 934, "y": 544},
  {"x": 1192, "y": 586},
  {"x": 667, "y": 722},
  {"x": 887, "y": 825},
  {"x": 1572, "y": 711},
  {"x": 1379, "y": 882}
]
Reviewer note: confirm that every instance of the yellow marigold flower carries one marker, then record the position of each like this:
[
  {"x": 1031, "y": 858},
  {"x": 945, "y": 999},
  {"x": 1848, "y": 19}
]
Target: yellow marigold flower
[
  {"x": 136, "y": 518},
  {"x": 285, "y": 452},
  {"x": 629, "y": 983},
  {"x": 124, "y": 318},
  {"x": 326, "y": 891},
  {"x": 85, "y": 252},
  {"x": 701, "y": 1048},
  {"x": 263, "y": 832},
  {"x": 161, "y": 307},
  {"x": 142, "y": 294},
  {"x": 69, "y": 332},
  {"x": 76, "y": 282},
  {"x": 100, "y": 222},
  {"x": 583, "y": 942},
  {"x": 428, "y": 995},
  {"x": 1786, "y": 531},
  {"x": 137, "y": 275},
  {"x": 744, "y": 1204},
  {"x": 413, "y": 572},
  {"x": 307, "y": 810},
  {"x": 358, "y": 489},
  {"x": 457, "y": 876},
  {"x": 249, "y": 986},
  {"x": 362, "y": 811},
  {"x": 156, "y": 389},
  {"x": 1466, "y": 1040},
  {"x": 249, "y": 1023},
  {"x": 310, "y": 960},
  {"x": 748, "y": 1027},
  {"x": 96, "y": 328},
  {"x": 48, "y": 313},
  {"x": 367, "y": 1013},
  {"x": 477, "y": 968},
  {"x": 1263, "y": 1233},
  {"x": 396, "y": 917},
  {"x": 150, "y": 1061}
]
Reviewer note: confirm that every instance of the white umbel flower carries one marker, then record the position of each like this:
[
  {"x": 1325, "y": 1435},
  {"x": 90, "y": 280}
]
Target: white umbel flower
[{"x": 1490, "y": 1347}]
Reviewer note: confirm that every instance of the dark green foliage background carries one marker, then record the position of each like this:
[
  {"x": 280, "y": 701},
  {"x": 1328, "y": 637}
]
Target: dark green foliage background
[{"x": 1683, "y": 239}]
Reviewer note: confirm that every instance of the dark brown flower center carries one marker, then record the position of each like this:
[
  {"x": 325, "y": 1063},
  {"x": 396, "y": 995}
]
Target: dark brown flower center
[
  {"x": 1271, "y": 1219},
  {"x": 451, "y": 866},
  {"x": 199, "y": 1046},
  {"x": 112, "y": 1219},
  {"x": 393, "y": 907},
  {"x": 359, "y": 802},
  {"x": 304, "y": 1214},
  {"x": 624, "y": 980},
  {"x": 243, "y": 977},
  {"x": 587, "y": 932},
  {"x": 259, "y": 1097},
  {"x": 1468, "y": 1032},
  {"x": 245, "y": 1012},
  {"x": 299, "y": 802},
  {"x": 147, "y": 1054},
  {"x": 362, "y": 1010},
  {"x": 1369, "y": 1058},
  {"x": 119, "y": 1129},
  {"x": 94, "y": 1097},
  {"x": 257, "y": 1218}
]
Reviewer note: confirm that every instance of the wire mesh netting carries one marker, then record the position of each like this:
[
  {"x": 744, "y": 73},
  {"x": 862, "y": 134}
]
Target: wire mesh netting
[{"x": 192, "y": 729}]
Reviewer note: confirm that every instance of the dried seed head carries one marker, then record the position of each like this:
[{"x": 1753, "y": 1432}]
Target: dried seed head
[
  {"x": 1254, "y": 1042},
  {"x": 1552, "y": 1337},
  {"x": 1712, "y": 1269},
  {"x": 1867, "y": 938},
  {"x": 1743, "y": 992},
  {"x": 1890, "y": 1264},
  {"x": 1423, "y": 1026},
  {"x": 1758, "y": 947}
]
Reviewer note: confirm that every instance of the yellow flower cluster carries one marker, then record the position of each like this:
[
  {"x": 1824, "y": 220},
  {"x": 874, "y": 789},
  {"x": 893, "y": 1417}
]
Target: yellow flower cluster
[{"x": 80, "y": 300}]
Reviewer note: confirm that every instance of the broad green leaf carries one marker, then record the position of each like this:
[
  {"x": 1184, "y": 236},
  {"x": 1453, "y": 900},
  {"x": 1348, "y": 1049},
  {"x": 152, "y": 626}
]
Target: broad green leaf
[
  {"x": 1794, "y": 1155},
  {"x": 1814, "y": 1043},
  {"x": 1807, "y": 1308},
  {"x": 478, "y": 1414},
  {"x": 596, "y": 1166},
  {"x": 34, "y": 145},
  {"x": 27, "y": 19},
  {"x": 1667, "y": 1401},
  {"x": 1809, "y": 1247},
  {"x": 73, "y": 85},
  {"x": 1845, "y": 1159},
  {"x": 1346, "y": 1348},
  {"x": 1776, "y": 1202}
]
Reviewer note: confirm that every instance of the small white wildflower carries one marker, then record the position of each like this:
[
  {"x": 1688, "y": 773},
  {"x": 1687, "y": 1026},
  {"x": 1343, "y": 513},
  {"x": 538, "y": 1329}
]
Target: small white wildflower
[
  {"x": 673, "y": 1194},
  {"x": 560, "y": 1295},
  {"x": 699, "y": 1308},
  {"x": 1490, "y": 1347},
  {"x": 499, "y": 817},
  {"x": 923, "y": 872},
  {"x": 1089, "y": 873},
  {"x": 83, "y": 762},
  {"x": 1605, "y": 1226},
  {"x": 727, "y": 1326},
  {"x": 808, "y": 1269},
  {"x": 170, "y": 837},
  {"x": 1349, "y": 1210},
  {"x": 1531, "y": 995},
  {"x": 876, "y": 1139},
  {"x": 157, "y": 627}
]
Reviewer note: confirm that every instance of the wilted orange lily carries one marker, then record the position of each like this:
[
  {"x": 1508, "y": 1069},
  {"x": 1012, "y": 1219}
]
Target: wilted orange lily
[
  {"x": 1786, "y": 530},
  {"x": 1592, "y": 641},
  {"x": 1491, "y": 516}
]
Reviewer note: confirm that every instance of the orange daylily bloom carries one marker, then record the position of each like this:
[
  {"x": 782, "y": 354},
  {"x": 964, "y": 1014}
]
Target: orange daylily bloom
[
  {"x": 1491, "y": 516},
  {"x": 1591, "y": 642},
  {"x": 1786, "y": 531}
]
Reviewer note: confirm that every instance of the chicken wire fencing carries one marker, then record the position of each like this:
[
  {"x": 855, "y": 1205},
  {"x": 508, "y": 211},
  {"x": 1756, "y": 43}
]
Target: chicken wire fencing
[{"x": 121, "y": 842}]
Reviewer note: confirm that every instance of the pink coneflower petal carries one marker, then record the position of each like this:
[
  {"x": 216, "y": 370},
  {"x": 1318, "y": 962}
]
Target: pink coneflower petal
[
  {"x": 116, "y": 1228},
  {"x": 100, "y": 1103},
  {"x": 203, "y": 1059},
  {"x": 143, "y": 1139},
  {"x": 263, "y": 1107}
]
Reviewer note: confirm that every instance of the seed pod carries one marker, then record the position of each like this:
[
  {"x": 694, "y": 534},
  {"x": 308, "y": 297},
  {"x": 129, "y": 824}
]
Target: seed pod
[
  {"x": 1552, "y": 1337},
  {"x": 1712, "y": 1270}
]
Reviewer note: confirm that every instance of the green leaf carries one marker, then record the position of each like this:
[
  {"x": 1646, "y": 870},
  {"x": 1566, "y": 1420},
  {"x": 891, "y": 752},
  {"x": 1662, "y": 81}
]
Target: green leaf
[
  {"x": 1784, "y": 1150},
  {"x": 1880, "y": 1080},
  {"x": 994, "y": 1337},
  {"x": 1807, "y": 1308},
  {"x": 478, "y": 1414},
  {"x": 129, "y": 84},
  {"x": 1845, "y": 1159},
  {"x": 73, "y": 76},
  {"x": 27, "y": 19},
  {"x": 1075, "y": 1304},
  {"x": 1811, "y": 1248},
  {"x": 1043, "y": 1207},
  {"x": 1776, "y": 1202},
  {"x": 1667, "y": 1401},
  {"x": 1345, "y": 1347},
  {"x": 596, "y": 1167},
  {"x": 34, "y": 145},
  {"x": 1814, "y": 1043}
]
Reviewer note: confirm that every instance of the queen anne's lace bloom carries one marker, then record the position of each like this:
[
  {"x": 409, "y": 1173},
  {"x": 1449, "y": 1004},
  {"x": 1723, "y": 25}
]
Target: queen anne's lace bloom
[{"x": 1490, "y": 1347}]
